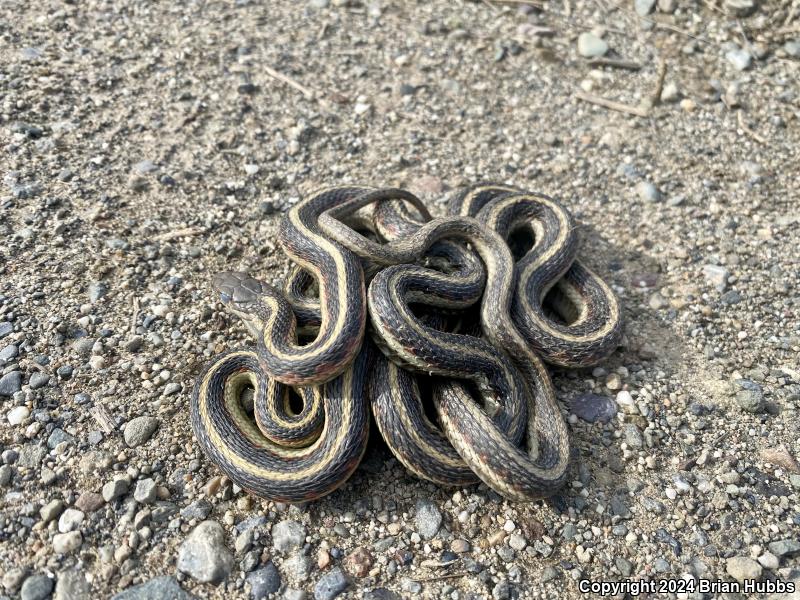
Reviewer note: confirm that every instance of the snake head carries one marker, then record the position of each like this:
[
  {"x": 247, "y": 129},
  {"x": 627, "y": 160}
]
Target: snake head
[
  {"x": 242, "y": 296},
  {"x": 236, "y": 287}
]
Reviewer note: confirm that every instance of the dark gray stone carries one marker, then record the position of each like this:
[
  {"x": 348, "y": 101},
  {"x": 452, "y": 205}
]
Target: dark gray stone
[
  {"x": 11, "y": 383},
  {"x": 199, "y": 509},
  {"x": 787, "y": 547},
  {"x": 501, "y": 591},
  {"x": 64, "y": 371},
  {"x": 250, "y": 523},
  {"x": 624, "y": 566},
  {"x": 8, "y": 353},
  {"x": 632, "y": 436},
  {"x": 6, "y": 472},
  {"x": 731, "y": 297},
  {"x": 620, "y": 508},
  {"x": 593, "y": 408},
  {"x": 741, "y": 8},
  {"x": 57, "y": 436},
  {"x": 31, "y": 456},
  {"x": 36, "y": 587},
  {"x": 381, "y": 594},
  {"x": 22, "y": 191},
  {"x": 38, "y": 380},
  {"x": 651, "y": 505},
  {"x": 331, "y": 585},
  {"x": 750, "y": 397},
  {"x": 264, "y": 581}
]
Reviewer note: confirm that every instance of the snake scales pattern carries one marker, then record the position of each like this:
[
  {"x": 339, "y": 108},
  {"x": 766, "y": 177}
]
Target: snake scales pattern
[{"x": 391, "y": 311}]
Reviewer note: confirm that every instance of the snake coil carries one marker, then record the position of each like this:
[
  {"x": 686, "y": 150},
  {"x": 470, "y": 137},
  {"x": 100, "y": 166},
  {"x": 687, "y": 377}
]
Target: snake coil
[{"x": 460, "y": 310}]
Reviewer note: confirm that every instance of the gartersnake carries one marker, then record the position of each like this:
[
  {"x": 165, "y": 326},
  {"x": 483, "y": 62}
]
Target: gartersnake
[{"x": 423, "y": 275}]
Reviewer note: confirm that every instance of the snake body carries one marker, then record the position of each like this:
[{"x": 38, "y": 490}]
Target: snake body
[
  {"x": 259, "y": 465},
  {"x": 498, "y": 418},
  {"x": 341, "y": 299}
]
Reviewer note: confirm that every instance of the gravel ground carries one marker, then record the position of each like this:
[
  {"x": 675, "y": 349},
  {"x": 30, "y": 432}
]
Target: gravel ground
[{"x": 145, "y": 146}]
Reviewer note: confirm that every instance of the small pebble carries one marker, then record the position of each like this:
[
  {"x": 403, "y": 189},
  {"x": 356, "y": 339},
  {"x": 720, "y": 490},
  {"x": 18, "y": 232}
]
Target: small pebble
[{"x": 591, "y": 46}]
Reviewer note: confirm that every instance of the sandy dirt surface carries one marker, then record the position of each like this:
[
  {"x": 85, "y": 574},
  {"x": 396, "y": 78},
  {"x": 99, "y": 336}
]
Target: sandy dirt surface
[{"x": 148, "y": 145}]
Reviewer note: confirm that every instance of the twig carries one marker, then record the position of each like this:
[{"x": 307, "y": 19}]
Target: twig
[
  {"x": 492, "y": 6},
  {"x": 289, "y": 81},
  {"x": 719, "y": 438},
  {"x": 667, "y": 26},
  {"x": 792, "y": 13},
  {"x": 615, "y": 63},
  {"x": 440, "y": 577},
  {"x": 713, "y": 6},
  {"x": 135, "y": 315},
  {"x": 100, "y": 414},
  {"x": 171, "y": 235},
  {"x": 540, "y": 31},
  {"x": 681, "y": 31},
  {"x": 746, "y": 41},
  {"x": 610, "y": 104},
  {"x": 533, "y": 3},
  {"x": 748, "y": 131},
  {"x": 655, "y": 97}
]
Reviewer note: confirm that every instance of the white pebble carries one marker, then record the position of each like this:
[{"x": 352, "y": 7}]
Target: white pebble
[{"x": 17, "y": 415}]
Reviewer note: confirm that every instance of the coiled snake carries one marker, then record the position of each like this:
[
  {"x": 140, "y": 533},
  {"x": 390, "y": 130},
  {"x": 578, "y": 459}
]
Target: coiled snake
[{"x": 450, "y": 308}]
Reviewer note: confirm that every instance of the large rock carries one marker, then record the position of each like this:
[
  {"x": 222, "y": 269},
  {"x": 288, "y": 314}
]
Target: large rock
[
  {"x": 17, "y": 415},
  {"x": 10, "y": 383},
  {"x": 138, "y": 430},
  {"x": 204, "y": 556},
  {"x": 429, "y": 519},
  {"x": 36, "y": 587}
]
